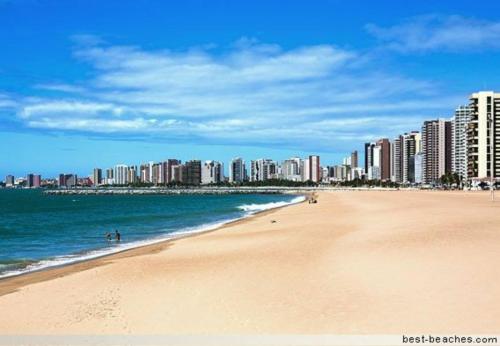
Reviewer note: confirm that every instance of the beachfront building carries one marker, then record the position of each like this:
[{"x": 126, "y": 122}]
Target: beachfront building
[
  {"x": 378, "y": 160},
  {"x": 291, "y": 169},
  {"x": 459, "y": 126},
  {"x": 436, "y": 150},
  {"x": 109, "y": 176},
  {"x": 483, "y": 136},
  {"x": 67, "y": 180},
  {"x": 354, "y": 159},
  {"x": 9, "y": 181},
  {"x": 120, "y": 175},
  {"x": 167, "y": 169},
  {"x": 97, "y": 176},
  {"x": 192, "y": 172},
  {"x": 237, "y": 170},
  {"x": 212, "y": 172},
  {"x": 312, "y": 169},
  {"x": 132, "y": 175},
  {"x": 404, "y": 147},
  {"x": 262, "y": 169}
]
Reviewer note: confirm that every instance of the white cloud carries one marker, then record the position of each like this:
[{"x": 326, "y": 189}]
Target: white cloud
[
  {"x": 255, "y": 94},
  {"x": 66, "y": 88},
  {"x": 435, "y": 32}
]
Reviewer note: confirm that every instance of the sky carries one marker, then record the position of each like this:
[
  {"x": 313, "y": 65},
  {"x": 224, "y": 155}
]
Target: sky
[{"x": 87, "y": 84}]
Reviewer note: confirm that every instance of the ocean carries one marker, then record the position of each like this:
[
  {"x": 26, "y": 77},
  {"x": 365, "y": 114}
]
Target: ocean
[{"x": 38, "y": 231}]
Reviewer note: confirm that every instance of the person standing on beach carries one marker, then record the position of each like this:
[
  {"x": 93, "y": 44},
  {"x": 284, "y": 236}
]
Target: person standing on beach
[{"x": 118, "y": 236}]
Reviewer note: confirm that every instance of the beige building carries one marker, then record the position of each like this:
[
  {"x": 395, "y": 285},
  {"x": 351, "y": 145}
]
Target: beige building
[{"x": 484, "y": 107}]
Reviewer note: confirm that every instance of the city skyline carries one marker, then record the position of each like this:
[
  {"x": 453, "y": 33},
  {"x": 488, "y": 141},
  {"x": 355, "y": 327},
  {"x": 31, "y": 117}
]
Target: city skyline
[{"x": 286, "y": 81}]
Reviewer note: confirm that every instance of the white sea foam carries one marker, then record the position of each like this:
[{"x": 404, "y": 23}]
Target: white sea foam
[
  {"x": 69, "y": 259},
  {"x": 253, "y": 208}
]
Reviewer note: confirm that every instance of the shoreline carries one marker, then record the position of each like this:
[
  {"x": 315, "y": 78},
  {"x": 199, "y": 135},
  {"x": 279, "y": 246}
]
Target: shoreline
[
  {"x": 353, "y": 263},
  {"x": 43, "y": 274}
]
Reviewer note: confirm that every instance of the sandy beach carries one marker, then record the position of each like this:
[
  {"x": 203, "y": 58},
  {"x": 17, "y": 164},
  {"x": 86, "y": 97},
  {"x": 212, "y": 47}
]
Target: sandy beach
[{"x": 357, "y": 262}]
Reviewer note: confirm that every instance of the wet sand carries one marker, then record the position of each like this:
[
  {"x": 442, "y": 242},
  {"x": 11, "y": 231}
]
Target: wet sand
[{"x": 357, "y": 262}]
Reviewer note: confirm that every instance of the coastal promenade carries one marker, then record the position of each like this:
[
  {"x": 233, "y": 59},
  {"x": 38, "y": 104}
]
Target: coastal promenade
[{"x": 357, "y": 262}]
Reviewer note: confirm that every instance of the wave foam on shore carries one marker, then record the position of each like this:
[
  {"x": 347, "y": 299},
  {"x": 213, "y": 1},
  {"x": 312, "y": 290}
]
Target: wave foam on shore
[{"x": 59, "y": 261}]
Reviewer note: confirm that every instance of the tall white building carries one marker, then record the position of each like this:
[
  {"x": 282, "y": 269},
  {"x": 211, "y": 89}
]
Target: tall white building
[
  {"x": 211, "y": 172},
  {"x": 481, "y": 144},
  {"x": 262, "y": 169},
  {"x": 459, "y": 125},
  {"x": 120, "y": 175},
  {"x": 237, "y": 170},
  {"x": 374, "y": 169},
  {"x": 291, "y": 169},
  {"x": 312, "y": 169}
]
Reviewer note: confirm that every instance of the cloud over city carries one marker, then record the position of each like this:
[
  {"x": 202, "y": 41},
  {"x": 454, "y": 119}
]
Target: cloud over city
[{"x": 251, "y": 93}]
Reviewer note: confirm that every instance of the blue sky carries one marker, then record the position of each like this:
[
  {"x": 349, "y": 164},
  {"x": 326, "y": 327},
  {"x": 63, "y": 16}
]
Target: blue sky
[{"x": 96, "y": 83}]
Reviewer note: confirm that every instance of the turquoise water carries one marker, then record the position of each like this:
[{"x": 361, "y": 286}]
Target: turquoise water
[{"x": 39, "y": 231}]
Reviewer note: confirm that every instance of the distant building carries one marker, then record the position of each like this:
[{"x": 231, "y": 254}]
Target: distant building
[
  {"x": 193, "y": 172},
  {"x": 120, "y": 175},
  {"x": 109, "y": 176},
  {"x": 436, "y": 150},
  {"x": 212, "y": 172},
  {"x": 97, "y": 177},
  {"x": 237, "y": 170},
  {"x": 9, "y": 181},
  {"x": 312, "y": 168},
  {"x": 168, "y": 170},
  {"x": 459, "y": 127},
  {"x": 30, "y": 180},
  {"x": 178, "y": 173},
  {"x": 132, "y": 175},
  {"x": 354, "y": 159},
  {"x": 405, "y": 146},
  {"x": 481, "y": 144},
  {"x": 291, "y": 169},
  {"x": 262, "y": 169},
  {"x": 67, "y": 180},
  {"x": 37, "y": 180}
]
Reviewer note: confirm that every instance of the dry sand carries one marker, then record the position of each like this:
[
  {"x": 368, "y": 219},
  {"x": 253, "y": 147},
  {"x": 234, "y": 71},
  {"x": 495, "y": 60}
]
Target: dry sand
[{"x": 357, "y": 262}]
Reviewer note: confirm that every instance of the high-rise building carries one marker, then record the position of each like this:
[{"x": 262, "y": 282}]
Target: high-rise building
[
  {"x": 396, "y": 160},
  {"x": 147, "y": 172},
  {"x": 436, "y": 150},
  {"x": 168, "y": 170},
  {"x": 193, "y": 172},
  {"x": 157, "y": 173},
  {"x": 262, "y": 169},
  {"x": 132, "y": 175},
  {"x": 291, "y": 169},
  {"x": 109, "y": 176},
  {"x": 483, "y": 147},
  {"x": 67, "y": 180},
  {"x": 368, "y": 156},
  {"x": 212, "y": 172},
  {"x": 403, "y": 148},
  {"x": 37, "y": 180},
  {"x": 30, "y": 180},
  {"x": 237, "y": 170},
  {"x": 9, "y": 181},
  {"x": 97, "y": 176},
  {"x": 459, "y": 126},
  {"x": 178, "y": 173},
  {"x": 120, "y": 175},
  {"x": 385, "y": 158},
  {"x": 313, "y": 170},
  {"x": 378, "y": 160},
  {"x": 354, "y": 159}
]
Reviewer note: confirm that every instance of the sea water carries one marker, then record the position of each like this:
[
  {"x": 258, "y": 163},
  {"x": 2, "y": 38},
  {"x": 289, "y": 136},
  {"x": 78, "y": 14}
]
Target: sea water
[{"x": 38, "y": 231}]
